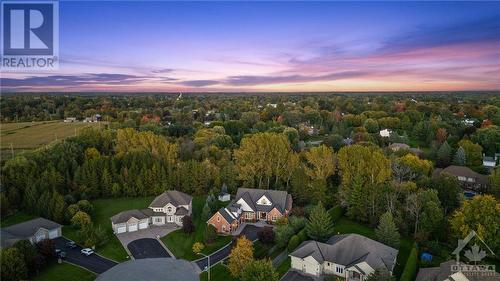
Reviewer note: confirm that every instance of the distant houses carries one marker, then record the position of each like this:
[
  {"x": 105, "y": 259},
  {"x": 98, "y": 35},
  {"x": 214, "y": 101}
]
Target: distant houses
[
  {"x": 34, "y": 230},
  {"x": 469, "y": 179}
]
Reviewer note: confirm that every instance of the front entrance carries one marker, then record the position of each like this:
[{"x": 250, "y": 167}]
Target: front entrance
[
  {"x": 170, "y": 218},
  {"x": 263, "y": 216}
]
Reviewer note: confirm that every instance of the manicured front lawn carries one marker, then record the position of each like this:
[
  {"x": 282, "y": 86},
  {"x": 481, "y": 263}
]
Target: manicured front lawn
[
  {"x": 16, "y": 218},
  {"x": 218, "y": 272},
  {"x": 64, "y": 272},
  {"x": 181, "y": 243}
]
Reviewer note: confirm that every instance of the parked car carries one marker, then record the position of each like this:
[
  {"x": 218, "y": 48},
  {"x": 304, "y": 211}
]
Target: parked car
[
  {"x": 71, "y": 244},
  {"x": 60, "y": 254},
  {"x": 87, "y": 251}
]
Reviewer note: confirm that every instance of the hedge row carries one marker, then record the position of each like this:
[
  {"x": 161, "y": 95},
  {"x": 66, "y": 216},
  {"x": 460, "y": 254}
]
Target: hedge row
[
  {"x": 296, "y": 240},
  {"x": 410, "y": 270}
]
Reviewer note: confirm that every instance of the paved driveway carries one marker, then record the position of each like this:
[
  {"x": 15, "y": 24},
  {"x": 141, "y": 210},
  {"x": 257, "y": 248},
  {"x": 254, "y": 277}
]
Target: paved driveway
[
  {"x": 94, "y": 262},
  {"x": 153, "y": 232},
  {"x": 147, "y": 248},
  {"x": 250, "y": 231}
]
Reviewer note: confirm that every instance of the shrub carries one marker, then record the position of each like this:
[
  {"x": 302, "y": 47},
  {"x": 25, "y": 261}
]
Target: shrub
[
  {"x": 198, "y": 247},
  {"x": 336, "y": 213},
  {"x": 293, "y": 243},
  {"x": 283, "y": 233},
  {"x": 281, "y": 221},
  {"x": 47, "y": 248},
  {"x": 187, "y": 224},
  {"x": 85, "y": 206},
  {"x": 302, "y": 235},
  {"x": 210, "y": 234},
  {"x": 410, "y": 269},
  {"x": 81, "y": 220},
  {"x": 297, "y": 223},
  {"x": 266, "y": 235}
]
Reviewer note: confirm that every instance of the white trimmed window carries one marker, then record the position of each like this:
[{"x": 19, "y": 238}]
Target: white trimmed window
[{"x": 218, "y": 219}]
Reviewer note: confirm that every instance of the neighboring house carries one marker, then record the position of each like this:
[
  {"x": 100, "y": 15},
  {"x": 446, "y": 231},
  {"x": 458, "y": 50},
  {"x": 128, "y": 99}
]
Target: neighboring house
[
  {"x": 252, "y": 205},
  {"x": 350, "y": 256},
  {"x": 385, "y": 133},
  {"x": 490, "y": 162},
  {"x": 34, "y": 230},
  {"x": 224, "y": 196},
  {"x": 469, "y": 179},
  {"x": 169, "y": 207},
  {"x": 398, "y": 146},
  {"x": 444, "y": 273},
  {"x": 70, "y": 120}
]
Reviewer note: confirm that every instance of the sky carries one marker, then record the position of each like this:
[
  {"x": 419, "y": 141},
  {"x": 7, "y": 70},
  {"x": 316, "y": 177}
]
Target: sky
[{"x": 132, "y": 46}]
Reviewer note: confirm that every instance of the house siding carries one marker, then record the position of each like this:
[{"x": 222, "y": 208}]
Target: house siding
[{"x": 220, "y": 223}]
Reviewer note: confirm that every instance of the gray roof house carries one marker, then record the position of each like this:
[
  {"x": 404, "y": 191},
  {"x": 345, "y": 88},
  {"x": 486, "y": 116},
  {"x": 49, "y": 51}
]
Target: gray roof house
[
  {"x": 469, "y": 179},
  {"x": 169, "y": 207},
  {"x": 34, "y": 230},
  {"x": 350, "y": 256},
  {"x": 448, "y": 271}
]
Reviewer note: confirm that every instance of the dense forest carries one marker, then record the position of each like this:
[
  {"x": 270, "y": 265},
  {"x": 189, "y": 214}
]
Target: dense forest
[{"x": 328, "y": 148}]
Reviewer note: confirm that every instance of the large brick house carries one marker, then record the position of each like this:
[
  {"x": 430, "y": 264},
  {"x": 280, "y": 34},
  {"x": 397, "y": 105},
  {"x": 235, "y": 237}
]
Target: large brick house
[{"x": 252, "y": 205}]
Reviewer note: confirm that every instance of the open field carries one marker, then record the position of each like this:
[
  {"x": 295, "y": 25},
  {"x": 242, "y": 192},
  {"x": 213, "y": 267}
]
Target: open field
[
  {"x": 181, "y": 243},
  {"x": 64, "y": 272},
  {"x": 29, "y": 135}
]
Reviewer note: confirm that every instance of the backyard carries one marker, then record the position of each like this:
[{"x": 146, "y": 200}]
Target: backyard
[{"x": 180, "y": 243}]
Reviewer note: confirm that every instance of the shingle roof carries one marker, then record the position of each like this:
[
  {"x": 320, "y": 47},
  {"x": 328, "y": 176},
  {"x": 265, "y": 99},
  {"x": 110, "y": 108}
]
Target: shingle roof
[
  {"x": 226, "y": 215},
  {"x": 348, "y": 250},
  {"x": 445, "y": 270},
  {"x": 28, "y": 228},
  {"x": 126, "y": 215},
  {"x": 181, "y": 211},
  {"x": 464, "y": 172},
  {"x": 278, "y": 198},
  {"x": 174, "y": 197}
]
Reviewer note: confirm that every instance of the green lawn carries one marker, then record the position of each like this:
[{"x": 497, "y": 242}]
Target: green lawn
[
  {"x": 104, "y": 209},
  {"x": 64, "y": 272},
  {"x": 16, "y": 218},
  {"x": 181, "y": 243},
  {"x": 344, "y": 225},
  {"x": 218, "y": 272},
  {"x": 284, "y": 267}
]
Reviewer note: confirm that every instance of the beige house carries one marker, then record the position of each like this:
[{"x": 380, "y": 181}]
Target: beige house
[
  {"x": 34, "y": 230},
  {"x": 350, "y": 256},
  {"x": 169, "y": 207}
]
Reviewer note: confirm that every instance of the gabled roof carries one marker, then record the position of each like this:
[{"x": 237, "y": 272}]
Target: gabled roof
[
  {"x": 279, "y": 199},
  {"x": 444, "y": 271},
  {"x": 462, "y": 171},
  {"x": 126, "y": 215},
  {"x": 29, "y": 228},
  {"x": 174, "y": 197},
  {"x": 181, "y": 211},
  {"x": 349, "y": 250},
  {"x": 226, "y": 214}
]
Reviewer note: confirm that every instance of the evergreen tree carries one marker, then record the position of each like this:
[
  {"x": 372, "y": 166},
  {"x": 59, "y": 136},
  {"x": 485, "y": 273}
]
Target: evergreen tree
[
  {"x": 386, "y": 231},
  {"x": 320, "y": 225},
  {"x": 444, "y": 155},
  {"x": 206, "y": 213},
  {"x": 459, "y": 159}
]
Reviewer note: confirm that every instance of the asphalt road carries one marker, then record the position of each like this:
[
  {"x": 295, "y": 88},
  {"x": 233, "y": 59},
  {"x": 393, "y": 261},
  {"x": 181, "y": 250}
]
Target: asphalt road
[
  {"x": 250, "y": 232},
  {"x": 94, "y": 263},
  {"x": 147, "y": 248}
]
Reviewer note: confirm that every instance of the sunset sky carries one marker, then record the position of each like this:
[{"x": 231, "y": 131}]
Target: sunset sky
[{"x": 272, "y": 46}]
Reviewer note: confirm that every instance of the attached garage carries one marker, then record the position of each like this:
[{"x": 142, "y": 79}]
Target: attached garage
[
  {"x": 54, "y": 233},
  {"x": 143, "y": 224},
  {"x": 121, "y": 229},
  {"x": 41, "y": 235},
  {"x": 132, "y": 226}
]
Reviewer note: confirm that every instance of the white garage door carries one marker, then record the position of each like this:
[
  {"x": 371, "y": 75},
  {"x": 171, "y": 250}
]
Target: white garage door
[
  {"x": 132, "y": 227},
  {"x": 143, "y": 225},
  {"x": 40, "y": 236},
  {"x": 121, "y": 229},
  {"x": 53, "y": 233}
]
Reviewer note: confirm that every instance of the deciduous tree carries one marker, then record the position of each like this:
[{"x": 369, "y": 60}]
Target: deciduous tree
[{"x": 241, "y": 255}]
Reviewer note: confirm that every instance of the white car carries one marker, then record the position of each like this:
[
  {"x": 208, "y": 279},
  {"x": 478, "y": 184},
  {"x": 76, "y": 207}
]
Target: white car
[{"x": 87, "y": 251}]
